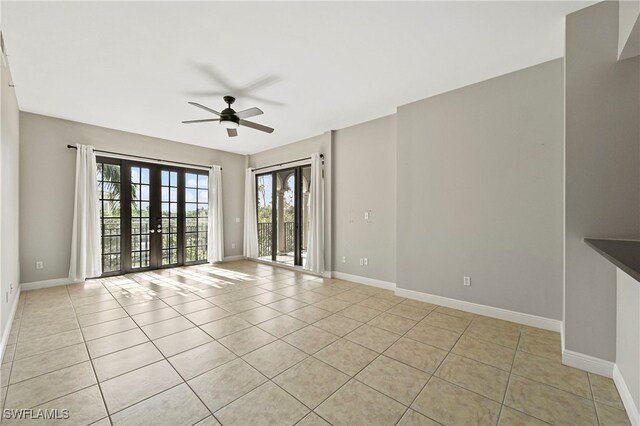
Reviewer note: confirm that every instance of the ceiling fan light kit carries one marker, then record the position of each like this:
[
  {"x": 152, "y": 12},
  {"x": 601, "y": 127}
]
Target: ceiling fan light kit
[
  {"x": 231, "y": 119},
  {"x": 229, "y": 124}
]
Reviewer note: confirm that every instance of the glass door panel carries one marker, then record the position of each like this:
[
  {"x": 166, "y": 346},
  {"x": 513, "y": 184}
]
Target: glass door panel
[
  {"x": 109, "y": 187},
  {"x": 169, "y": 214},
  {"x": 265, "y": 216},
  {"x": 140, "y": 217},
  {"x": 286, "y": 216},
  {"x": 196, "y": 216},
  {"x": 305, "y": 202}
]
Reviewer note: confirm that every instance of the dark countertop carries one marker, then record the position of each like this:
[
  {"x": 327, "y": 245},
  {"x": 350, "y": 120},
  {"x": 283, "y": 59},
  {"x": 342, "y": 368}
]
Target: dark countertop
[{"x": 622, "y": 252}]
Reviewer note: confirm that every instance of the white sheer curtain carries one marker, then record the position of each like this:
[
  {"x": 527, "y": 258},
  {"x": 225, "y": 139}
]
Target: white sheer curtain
[
  {"x": 215, "y": 236},
  {"x": 250, "y": 218},
  {"x": 86, "y": 253},
  {"x": 315, "y": 248}
]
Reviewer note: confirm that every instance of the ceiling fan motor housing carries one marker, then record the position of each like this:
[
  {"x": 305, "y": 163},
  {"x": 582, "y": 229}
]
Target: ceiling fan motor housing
[{"x": 227, "y": 115}]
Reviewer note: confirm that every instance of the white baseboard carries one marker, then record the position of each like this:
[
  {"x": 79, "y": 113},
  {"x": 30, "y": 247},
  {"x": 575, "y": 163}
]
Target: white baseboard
[
  {"x": 233, "y": 258},
  {"x": 45, "y": 284},
  {"x": 364, "y": 280},
  {"x": 625, "y": 395},
  {"x": 7, "y": 330},
  {"x": 327, "y": 274},
  {"x": 489, "y": 311},
  {"x": 588, "y": 363}
]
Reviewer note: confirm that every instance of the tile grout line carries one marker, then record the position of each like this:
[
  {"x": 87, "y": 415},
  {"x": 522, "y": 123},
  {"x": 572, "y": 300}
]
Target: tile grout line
[
  {"x": 292, "y": 297},
  {"x": 86, "y": 348},
  {"x": 403, "y": 335},
  {"x": 186, "y": 382},
  {"x": 595, "y": 408},
  {"x": 69, "y": 393},
  {"x": 6, "y": 395},
  {"x": 506, "y": 390},
  {"x": 434, "y": 371},
  {"x": 292, "y": 366},
  {"x": 350, "y": 376},
  {"x": 171, "y": 365},
  {"x": 59, "y": 396}
]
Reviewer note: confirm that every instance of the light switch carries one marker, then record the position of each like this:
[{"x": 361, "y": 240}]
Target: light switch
[{"x": 237, "y": 220}]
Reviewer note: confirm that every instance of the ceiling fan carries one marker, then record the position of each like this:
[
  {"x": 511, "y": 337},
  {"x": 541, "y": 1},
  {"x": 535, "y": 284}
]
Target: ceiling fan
[{"x": 231, "y": 119}]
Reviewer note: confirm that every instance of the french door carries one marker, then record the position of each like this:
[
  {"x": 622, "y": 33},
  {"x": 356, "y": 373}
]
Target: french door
[
  {"x": 283, "y": 214},
  {"x": 152, "y": 216}
]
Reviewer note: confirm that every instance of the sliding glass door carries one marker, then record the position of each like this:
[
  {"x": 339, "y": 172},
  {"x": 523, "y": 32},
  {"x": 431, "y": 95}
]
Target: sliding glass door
[
  {"x": 152, "y": 216},
  {"x": 283, "y": 214}
]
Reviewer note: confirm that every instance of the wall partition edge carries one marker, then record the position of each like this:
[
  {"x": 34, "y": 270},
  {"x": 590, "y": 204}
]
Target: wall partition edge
[
  {"x": 7, "y": 330},
  {"x": 627, "y": 400}
]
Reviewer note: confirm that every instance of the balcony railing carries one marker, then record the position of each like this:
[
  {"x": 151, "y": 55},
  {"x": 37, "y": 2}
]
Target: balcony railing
[{"x": 265, "y": 238}]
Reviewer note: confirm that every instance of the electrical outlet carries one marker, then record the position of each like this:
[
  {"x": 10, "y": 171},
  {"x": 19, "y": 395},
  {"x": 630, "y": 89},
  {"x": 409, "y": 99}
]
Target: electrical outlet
[
  {"x": 467, "y": 281},
  {"x": 366, "y": 261},
  {"x": 39, "y": 264},
  {"x": 361, "y": 261},
  {"x": 344, "y": 259},
  {"x": 233, "y": 245}
]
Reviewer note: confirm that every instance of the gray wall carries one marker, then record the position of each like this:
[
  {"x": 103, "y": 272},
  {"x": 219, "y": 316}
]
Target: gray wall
[
  {"x": 365, "y": 167},
  {"x": 602, "y": 172},
  {"x": 479, "y": 191},
  {"x": 9, "y": 188},
  {"x": 302, "y": 149},
  {"x": 47, "y": 184}
]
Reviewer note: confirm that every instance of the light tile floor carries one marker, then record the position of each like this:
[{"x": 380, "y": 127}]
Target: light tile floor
[{"x": 244, "y": 343}]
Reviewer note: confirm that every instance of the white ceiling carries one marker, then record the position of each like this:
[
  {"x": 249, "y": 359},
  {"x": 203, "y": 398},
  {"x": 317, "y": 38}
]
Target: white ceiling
[{"x": 319, "y": 65}]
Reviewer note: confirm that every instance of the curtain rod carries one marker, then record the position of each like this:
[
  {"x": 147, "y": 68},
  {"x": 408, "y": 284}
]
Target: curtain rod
[
  {"x": 145, "y": 158},
  {"x": 287, "y": 162}
]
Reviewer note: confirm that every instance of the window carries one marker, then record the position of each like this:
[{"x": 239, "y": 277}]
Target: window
[
  {"x": 109, "y": 191},
  {"x": 196, "y": 216}
]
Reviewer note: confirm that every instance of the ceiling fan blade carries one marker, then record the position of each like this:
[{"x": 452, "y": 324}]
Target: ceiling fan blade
[
  {"x": 262, "y": 100},
  {"x": 232, "y": 132},
  {"x": 207, "y": 93},
  {"x": 260, "y": 84},
  {"x": 251, "y": 112},
  {"x": 256, "y": 126},
  {"x": 200, "y": 121},
  {"x": 216, "y": 76},
  {"x": 195, "y": 104}
]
